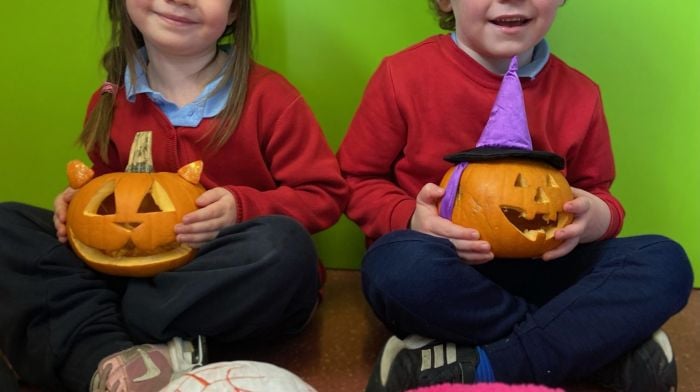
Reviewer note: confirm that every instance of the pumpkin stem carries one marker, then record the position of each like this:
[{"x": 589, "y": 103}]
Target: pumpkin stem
[{"x": 140, "y": 157}]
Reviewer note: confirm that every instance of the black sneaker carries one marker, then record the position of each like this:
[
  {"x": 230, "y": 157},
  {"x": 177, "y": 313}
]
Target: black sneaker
[
  {"x": 417, "y": 361},
  {"x": 650, "y": 367}
]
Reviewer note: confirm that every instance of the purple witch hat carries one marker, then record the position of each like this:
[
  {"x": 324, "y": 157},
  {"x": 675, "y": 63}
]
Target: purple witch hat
[{"x": 505, "y": 135}]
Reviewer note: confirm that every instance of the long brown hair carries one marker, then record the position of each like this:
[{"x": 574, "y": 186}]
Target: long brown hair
[{"x": 123, "y": 46}]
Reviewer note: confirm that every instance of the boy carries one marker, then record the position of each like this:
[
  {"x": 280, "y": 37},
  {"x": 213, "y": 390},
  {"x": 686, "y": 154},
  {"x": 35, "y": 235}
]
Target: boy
[{"x": 461, "y": 315}]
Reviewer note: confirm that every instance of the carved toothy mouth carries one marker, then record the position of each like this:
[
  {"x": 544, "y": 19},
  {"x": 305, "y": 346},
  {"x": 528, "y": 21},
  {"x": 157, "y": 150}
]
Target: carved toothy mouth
[
  {"x": 531, "y": 228},
  {"x": 130, "y": 250}
]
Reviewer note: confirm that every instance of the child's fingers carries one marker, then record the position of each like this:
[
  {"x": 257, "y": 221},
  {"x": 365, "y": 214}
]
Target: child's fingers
[
  {"x": 196, "y": 240},
  {"x": 562, "y": 250}
]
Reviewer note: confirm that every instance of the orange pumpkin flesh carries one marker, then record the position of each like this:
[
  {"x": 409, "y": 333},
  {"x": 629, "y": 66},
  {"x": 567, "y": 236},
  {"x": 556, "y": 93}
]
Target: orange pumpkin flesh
[
  {"x": 515, "y": 205},
  {"x": 122, "y": 223}
]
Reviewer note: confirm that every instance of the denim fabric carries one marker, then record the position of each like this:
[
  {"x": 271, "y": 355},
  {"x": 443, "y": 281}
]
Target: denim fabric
[{"x": 544, "y": 322}]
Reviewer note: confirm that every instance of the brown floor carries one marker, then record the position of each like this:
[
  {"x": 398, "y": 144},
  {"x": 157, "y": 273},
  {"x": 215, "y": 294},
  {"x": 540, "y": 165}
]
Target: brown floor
[
  {"x": 337, "y": 350},
  {"x": 335, "y": 353}
]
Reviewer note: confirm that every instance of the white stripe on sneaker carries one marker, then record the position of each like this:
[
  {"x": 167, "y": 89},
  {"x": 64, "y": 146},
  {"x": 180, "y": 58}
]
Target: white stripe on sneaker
[
  {"x": 426, "y": 359},
  {"x": 451, "y": 354},
  {"x": 392, "y": 348},
  {"x": 661, "y": 338},
  {"x": 439, "y": 355}
]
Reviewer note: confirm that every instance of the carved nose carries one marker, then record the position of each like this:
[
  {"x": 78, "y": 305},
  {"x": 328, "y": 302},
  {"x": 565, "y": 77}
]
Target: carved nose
[
  {"x": 541, "y": 196},
  {"x": 128, "y": 225}
]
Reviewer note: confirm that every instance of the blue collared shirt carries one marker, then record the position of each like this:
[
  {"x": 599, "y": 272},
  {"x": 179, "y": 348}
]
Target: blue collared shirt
[
  {"x": 190, "y": 115},
  {"x": 540, "y": 55}
]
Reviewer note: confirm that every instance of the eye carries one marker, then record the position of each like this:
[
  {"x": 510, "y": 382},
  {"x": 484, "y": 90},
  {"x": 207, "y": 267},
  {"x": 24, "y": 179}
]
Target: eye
[
  {"x": 156, "y": 200},
  {"x": 148, "y": 204},
  {"x": 108, "y": 206},
  {"x": 551, "y": 182},
  {"x": 520, "y": 181},
  {"x": 103, "y": 201}
]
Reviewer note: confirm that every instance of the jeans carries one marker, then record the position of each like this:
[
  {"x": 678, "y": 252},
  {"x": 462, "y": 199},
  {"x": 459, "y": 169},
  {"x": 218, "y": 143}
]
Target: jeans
[{"x": 538, "y": 321}]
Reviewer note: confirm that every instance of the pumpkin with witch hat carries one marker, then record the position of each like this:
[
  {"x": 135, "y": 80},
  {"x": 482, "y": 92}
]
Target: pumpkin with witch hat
[
  {"x": 511, "y": 194},
  {"x": 123, "y": 223}
]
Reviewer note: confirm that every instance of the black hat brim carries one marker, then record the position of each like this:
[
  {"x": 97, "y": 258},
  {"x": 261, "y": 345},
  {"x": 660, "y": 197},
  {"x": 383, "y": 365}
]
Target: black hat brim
[{"x": 481, "y": 154}]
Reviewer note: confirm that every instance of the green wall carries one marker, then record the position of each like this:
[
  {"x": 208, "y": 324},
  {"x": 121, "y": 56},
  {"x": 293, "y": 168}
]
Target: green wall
[{"x": 648, "y": 68}]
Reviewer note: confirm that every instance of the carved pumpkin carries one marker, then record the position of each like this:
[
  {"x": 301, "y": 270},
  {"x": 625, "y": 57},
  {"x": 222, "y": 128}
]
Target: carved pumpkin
[
  {"x": 122, "y": 223},
  {"x": 516, "y": 205}
]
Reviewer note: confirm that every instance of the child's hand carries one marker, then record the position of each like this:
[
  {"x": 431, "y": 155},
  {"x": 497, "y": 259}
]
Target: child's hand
[
  {"x": 427, "y": 220},
  {"x": 60, "y": 209},
  {"x": 591, "y": 220},
  {"x": 217, "y": 209}
]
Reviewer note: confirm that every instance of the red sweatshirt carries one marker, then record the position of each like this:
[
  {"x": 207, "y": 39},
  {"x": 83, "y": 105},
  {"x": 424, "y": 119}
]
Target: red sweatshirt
[
  {"x": 432, "y": 99},
  {"x": 277, "y": 161}
]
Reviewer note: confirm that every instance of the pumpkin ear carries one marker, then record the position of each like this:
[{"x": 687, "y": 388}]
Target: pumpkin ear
[
  {"x": 78, "y": 173},
  {"x": 191, "y": 172}
]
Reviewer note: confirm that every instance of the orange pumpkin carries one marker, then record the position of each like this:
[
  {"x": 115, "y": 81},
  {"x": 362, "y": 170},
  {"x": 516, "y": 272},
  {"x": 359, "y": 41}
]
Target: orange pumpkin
[
  {"x": 122, "y": 223},
  {"x": 516, "y": 205}
]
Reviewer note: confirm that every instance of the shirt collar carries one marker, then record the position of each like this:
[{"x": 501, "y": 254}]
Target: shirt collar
[
  {"x": 204, "y": 106},
  {"x": 540, "y": 55}
]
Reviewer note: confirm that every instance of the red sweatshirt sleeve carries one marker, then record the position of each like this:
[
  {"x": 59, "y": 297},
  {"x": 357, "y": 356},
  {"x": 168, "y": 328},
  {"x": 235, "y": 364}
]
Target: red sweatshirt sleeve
[
  {"x": 373, "y": 143},
  {"x": 309, "y": 185},
  {"x": 591, "y": 167}
]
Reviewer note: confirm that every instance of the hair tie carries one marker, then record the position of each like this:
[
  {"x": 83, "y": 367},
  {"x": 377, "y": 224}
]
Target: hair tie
[{"x": 108, "y": 88}]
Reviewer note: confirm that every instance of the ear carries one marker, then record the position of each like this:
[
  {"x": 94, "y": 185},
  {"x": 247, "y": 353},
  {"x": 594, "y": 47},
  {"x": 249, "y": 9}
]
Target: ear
[
  {"x": 78, "y": 173},
  {"x": 444, "y": 5},
  {"x": 192, "y": 171}
]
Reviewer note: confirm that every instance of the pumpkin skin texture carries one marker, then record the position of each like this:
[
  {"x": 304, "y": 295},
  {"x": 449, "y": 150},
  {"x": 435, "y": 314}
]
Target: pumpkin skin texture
[
  {"x": 515, "y": 205},
  {"x": 122, "y": 223}
]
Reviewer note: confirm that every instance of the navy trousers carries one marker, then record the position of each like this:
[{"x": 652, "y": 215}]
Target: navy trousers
[
  {"x": 59, "y": 318},
  {"x": 544, "y": 322}
]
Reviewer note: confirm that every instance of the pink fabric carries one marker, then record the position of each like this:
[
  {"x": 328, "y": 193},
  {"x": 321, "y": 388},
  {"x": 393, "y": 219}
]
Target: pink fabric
[{"x": 487, "y": 387}]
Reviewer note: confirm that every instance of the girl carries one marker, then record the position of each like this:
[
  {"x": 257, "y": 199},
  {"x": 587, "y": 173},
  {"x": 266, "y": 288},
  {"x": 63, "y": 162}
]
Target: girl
[{"x": 183, "y": 70}]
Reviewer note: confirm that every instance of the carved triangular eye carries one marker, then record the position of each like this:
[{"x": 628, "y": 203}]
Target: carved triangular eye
[
  {"x": 148, "y": 204},
  {"x": 551, "y": 182},
  {"x": 108, "y": 206},
  {"x": 156, "y": 200},
  {"x": 103, "y": 201},
  {"x": 520, "y": 181}
]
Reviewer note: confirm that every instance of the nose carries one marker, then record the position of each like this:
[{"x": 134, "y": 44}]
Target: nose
[
  {"x": 128, "y": 225},
  {"x": 541, "y": 196}
]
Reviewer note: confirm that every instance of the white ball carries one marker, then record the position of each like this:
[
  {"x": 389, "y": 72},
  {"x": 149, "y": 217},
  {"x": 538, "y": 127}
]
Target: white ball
[{"x": 238, "y": 376}]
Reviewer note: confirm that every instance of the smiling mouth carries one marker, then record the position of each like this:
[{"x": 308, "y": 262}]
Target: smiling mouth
[
  {"x": 176, "y": 19},
  {"x": 514, "y": 21},
  {"x": 532, "y": 228}
]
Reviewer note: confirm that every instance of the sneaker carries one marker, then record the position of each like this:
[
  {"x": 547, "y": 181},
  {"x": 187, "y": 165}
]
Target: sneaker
[
  {"x": 418, "y": 361},
  {"x": 147, "y": 367},
  {"x": 650, "y": 367}
]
